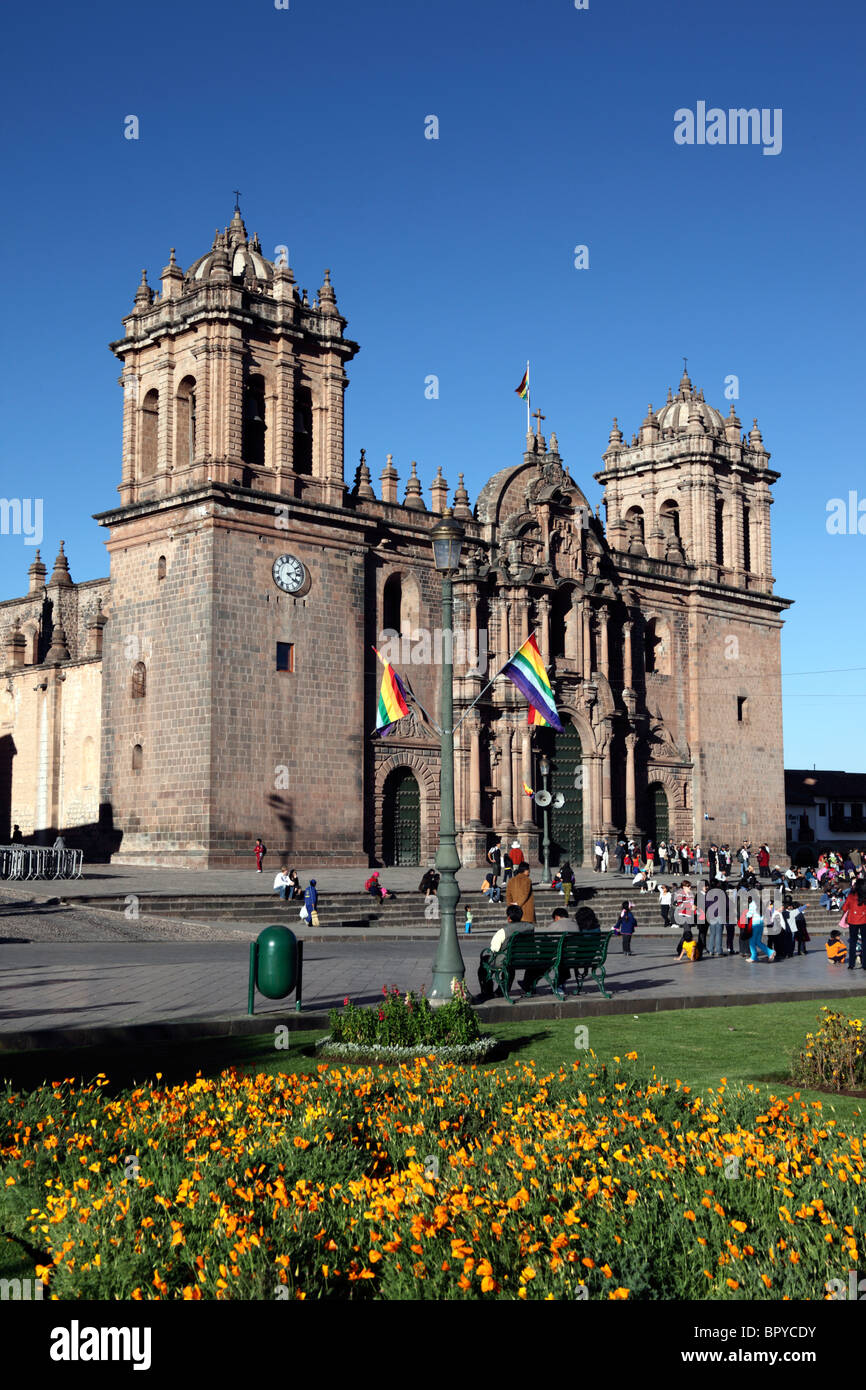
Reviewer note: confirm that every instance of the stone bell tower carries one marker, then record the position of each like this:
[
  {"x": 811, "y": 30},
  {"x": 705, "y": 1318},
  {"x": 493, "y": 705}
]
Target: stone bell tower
[
  {"x": 232, "y": 568},
  {"x": 231, "y": 376}
]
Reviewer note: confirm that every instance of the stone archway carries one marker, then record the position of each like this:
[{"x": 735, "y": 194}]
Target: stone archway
[{"x": 417, "y": 763}]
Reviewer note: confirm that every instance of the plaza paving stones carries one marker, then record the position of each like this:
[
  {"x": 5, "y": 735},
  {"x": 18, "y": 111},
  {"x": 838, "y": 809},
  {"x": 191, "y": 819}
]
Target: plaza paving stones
[
  {"x": 75, "y": 972},
  {"x": 76, "y": 991}
]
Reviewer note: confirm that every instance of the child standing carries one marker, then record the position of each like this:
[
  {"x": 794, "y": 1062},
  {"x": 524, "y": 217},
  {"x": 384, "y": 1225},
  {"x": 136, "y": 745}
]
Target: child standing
[{"x": 627, "y": 924}]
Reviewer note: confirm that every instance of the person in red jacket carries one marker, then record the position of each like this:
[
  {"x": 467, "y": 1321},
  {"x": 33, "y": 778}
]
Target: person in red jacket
[
  {"x": 517, "y": 855},
  {"x": 855, "y": 914},
  {"x": 763, "y": 861}
]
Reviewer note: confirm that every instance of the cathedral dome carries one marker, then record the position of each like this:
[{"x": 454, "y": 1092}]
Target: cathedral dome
[
  {"x": 245, "y": 259},
  {"x": 675, "y": 413}
]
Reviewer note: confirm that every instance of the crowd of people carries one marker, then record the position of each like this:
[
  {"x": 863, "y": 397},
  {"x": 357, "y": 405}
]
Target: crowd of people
[{"x": 749, "y": 922}]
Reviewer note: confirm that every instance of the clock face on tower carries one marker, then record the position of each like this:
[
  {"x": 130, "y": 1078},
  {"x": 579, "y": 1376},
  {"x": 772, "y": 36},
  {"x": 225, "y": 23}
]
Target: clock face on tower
[{"x": 290, "y": 575}]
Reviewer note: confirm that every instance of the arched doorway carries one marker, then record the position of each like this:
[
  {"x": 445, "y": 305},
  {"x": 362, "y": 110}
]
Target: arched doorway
[
  {"x": 565, "y": 752},
  {"x": 401, "y": 818},
  {"x": 659, "y": 820}
]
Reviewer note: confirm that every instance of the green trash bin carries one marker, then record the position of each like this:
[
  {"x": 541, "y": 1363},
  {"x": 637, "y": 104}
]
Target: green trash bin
[{"x": 276, "y": 963}]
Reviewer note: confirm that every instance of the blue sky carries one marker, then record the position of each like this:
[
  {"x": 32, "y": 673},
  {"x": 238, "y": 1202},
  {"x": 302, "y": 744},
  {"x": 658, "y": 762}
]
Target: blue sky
[{"x": 455, "y": 256}]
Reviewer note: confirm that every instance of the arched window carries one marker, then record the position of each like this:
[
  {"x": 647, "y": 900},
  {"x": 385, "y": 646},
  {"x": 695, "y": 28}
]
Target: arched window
[
  {"x": 747, "y": 538},
  {"x": 149, "y": 433},
  {"x": 560, "y": 618},
  {"x": 720, "y": 532},
  {"x": 669, "y": 519},
  {"x": 136, "y": 758},
  {"x": 302, "y": 455},
  {"x": 657, "y": 647},
  {"x": 392, "y": 603},
  {"x": 139, "y": 680},
  {"x": 31, "y": 652},
  {"x": 160, "y": 567},
  {"x": 401, "y": 604},
  {"x": 634, "y": 524},
  {"x": 185, "y": 408},
  {"x": 253, "y": 445}
]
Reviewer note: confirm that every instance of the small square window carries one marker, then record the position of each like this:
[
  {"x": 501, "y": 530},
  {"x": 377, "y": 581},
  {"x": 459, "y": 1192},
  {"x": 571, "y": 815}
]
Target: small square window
[
  {"x": 742, "y": 709},
  {"x": 286, "y": 656}
]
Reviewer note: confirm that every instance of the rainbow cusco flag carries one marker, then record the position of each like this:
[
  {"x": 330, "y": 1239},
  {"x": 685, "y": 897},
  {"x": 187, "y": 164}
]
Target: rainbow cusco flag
[
  {"x": 526, "y": 670},
  {"x": 392, "y": 700}
]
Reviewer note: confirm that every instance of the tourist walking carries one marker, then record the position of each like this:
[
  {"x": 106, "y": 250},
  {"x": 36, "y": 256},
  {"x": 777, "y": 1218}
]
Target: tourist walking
[
  {"x": 854, "y": 915},
  {"x": 599, "y": 851},
  {"x": 663, "y": 857},
  {"x": 311, "y": 900},
  {"x": 259, "y": 851},
  {"x": 517, "y": 855},
  {"x": 621, "y": 852},
  {"x": 756, "y": 944}
]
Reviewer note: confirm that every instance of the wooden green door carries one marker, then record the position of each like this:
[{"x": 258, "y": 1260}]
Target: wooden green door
[
  {"x": 659, "y": 823},
  {"x": 401, "y": 825}
]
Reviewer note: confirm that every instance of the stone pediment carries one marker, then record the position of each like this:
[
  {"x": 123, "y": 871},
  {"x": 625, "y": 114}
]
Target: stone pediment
[{"x": 663, "y": 747}]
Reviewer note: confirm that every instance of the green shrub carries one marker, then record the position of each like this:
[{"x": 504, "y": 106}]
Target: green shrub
[
  {"x": 834, "y": 1058},
  {"x": 407, "y": 1020}
]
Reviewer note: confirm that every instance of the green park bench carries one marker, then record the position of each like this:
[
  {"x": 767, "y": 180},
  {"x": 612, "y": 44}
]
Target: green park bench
[
  {"x": 585, "y": 953},
  {"x": 524, "y": 950}
]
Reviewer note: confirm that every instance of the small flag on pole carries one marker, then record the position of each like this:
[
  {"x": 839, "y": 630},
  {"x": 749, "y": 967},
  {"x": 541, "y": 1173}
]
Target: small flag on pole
[
  {"x": 528, "y": 790},
  {"x": 392, "y": 700},
  {"x": 526, "y": 671},
  {"x": 523, "y": 389}
]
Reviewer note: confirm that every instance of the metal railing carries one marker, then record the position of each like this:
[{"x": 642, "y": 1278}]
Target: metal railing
[{"x": 32, "y": 861}]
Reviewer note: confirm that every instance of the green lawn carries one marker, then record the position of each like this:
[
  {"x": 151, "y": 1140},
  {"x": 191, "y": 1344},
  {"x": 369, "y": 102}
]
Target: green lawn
[{"x": 752, "y": 1043}]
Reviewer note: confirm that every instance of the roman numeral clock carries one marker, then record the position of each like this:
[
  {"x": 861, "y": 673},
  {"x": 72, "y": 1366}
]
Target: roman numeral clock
[{"x": 291, "y": 576}]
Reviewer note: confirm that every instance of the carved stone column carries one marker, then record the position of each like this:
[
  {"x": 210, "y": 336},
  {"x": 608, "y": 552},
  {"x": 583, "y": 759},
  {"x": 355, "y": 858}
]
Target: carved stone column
[
  {"x": 475, "y": 775},
  {"x": 631, "y": 828},
  {"x": 587, "y": 642},
  {"x": 526, "y": 769},
  {"x": 543, "y": 607},
  {"x": 573, "y": 633},
  {"x": 506, "y": 810},
  {"x": 604, "y": 654},
  {"x": 626, "y": 655},
  {"x": 606, "y": 806}
]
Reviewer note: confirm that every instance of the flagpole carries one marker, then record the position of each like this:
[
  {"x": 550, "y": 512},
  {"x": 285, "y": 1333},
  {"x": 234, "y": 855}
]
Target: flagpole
[
  {"x": 492, "y": 682},
  {"x": 528, "y": 426}
]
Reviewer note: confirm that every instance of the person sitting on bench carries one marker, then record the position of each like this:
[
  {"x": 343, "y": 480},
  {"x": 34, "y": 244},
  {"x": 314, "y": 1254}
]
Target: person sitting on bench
[{"x": 495, "y": 953}]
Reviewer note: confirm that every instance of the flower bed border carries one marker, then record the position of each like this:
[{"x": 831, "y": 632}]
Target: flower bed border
[{"x": 484, "y": 1049}]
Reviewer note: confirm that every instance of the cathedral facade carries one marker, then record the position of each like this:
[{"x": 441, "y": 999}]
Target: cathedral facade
[{"x": 221, "y": 683}]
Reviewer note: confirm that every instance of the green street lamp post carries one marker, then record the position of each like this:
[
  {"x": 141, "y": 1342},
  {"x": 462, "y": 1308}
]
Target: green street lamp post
[
  {"x": 544, "y": 769},
  {"x": 447, "y": 538}
]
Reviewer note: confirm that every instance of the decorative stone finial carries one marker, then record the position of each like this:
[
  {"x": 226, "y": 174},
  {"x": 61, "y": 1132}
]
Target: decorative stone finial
[
  {"x": 144, "y": 294},
  {"x": 58, "y": 651},
  {"x": 36, "y": 574},
  {"x": 615, "y": 436},
  {"x": 554, "y": 444},
  {"x": 462, "y": 509},
  {"x": 439, "y": 492},
  {"x": 389, "y": 479},
  {"x": 363, "y": 487},
  {"x": 60, "y": 574},
  {"x": 414, "y": 497}
]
